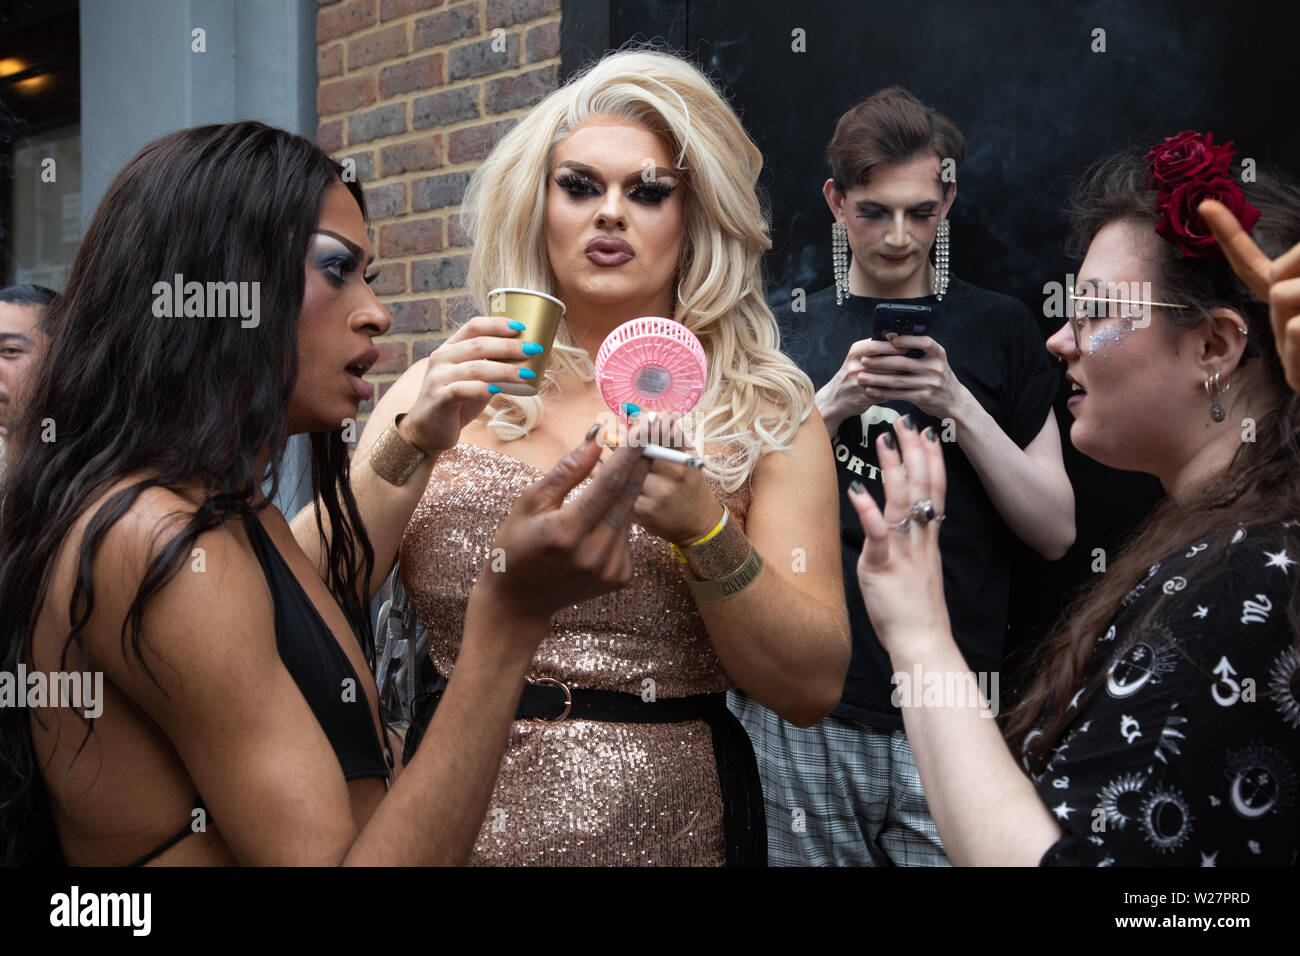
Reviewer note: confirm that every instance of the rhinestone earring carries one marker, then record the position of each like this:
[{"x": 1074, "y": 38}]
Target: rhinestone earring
[
  {"x": 1215, "y": 391},
  {"x": 840, "y": 260},
  {"x": 940, "y": 284}
]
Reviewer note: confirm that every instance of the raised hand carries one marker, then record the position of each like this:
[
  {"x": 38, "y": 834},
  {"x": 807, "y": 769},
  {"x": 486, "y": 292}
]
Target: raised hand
[
  {"x": 1276, "y": 281},
  {"x": 458, "y": 379},
  {"x": 899, "y": 570}
]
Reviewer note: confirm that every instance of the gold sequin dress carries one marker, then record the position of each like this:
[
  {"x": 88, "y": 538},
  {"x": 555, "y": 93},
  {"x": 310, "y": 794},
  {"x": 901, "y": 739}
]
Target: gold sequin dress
[{"x": 581, "y": 792}]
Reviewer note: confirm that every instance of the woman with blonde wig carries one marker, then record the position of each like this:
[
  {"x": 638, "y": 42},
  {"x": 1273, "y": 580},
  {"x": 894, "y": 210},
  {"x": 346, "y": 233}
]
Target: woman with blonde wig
[{"x": 629, "y": 192}]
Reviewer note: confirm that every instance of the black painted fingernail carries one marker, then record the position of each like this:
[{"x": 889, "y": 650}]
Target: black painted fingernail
[
  {"x": 592, "y": 431},
  {"x": 857, "y": 487},
  {"x": 931, "y": 434},
  {"x": 908, "y": 423},
  {"x": 889, "y": 440}
]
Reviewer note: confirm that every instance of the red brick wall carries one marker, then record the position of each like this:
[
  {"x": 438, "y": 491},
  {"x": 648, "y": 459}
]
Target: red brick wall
[{"x": 417, "y": 92}]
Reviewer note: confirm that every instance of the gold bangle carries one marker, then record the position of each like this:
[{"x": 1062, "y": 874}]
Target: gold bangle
[
  {"x": 712, "y": 592},
  {"x": 393, "y": 458}
]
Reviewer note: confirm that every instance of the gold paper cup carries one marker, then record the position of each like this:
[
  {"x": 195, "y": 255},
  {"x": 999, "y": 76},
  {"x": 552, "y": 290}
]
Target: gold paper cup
[{"x": 540, "y": 313}]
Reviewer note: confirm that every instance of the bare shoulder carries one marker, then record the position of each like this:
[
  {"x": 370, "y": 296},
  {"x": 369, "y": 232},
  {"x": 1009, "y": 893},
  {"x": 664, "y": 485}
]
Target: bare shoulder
[
  {"x": 808, "y": 454},
  {"x": 191, "y": 620}
]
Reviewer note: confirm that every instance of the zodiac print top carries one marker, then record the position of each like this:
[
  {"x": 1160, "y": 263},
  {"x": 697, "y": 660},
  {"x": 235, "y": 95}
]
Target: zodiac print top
[{"x": 1185, "y": 745}]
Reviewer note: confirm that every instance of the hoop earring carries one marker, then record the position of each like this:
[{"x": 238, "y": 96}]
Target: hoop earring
[
  {"x": 940, "y": 284},
  {"x": 1215, "y": 392},
  {"x": 840, "y": 260}
]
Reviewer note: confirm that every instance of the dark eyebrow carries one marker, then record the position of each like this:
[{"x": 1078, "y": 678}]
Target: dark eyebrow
[
  {"x": 656, "y": 172},
  {"x": 352, "y": 246},
  {"x": 15, "y": 336},
  {"x": 590, "y": 172},
  {"x": 864, "y": 203},
  {"x": 582, "y": 168}
]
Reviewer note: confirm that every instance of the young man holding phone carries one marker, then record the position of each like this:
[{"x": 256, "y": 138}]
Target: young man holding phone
[{"x": 895, "y": 341}]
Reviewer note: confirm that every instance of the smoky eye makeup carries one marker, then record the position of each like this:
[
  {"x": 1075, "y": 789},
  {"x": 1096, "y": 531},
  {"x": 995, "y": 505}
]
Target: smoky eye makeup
[
  {"x": 650, "y": 191},
  {"x": 873, "y": 211},
  {"x": 575, "y": 184},
  {"x": 337, "y": 260}
]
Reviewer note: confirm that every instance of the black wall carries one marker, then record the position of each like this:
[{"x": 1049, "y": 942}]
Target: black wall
[{"x": 1035, "y": 104}]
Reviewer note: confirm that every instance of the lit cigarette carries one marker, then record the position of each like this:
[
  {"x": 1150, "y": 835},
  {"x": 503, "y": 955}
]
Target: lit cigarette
[
  {"x": 673, "y": 455},
  {"x": 660, "y": 452}
]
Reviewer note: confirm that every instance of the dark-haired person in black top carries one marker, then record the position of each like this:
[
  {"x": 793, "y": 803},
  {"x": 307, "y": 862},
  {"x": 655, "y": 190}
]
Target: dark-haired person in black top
[
  {"x": 846, "y": 792},
  {"x": 237, "y": 718}
]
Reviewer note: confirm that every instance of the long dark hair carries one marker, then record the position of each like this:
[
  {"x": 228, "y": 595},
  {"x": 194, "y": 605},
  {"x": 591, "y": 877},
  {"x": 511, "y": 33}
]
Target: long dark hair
[
  {"x": 182, "y": 401},
  {"x": 1258, "y": 487}
]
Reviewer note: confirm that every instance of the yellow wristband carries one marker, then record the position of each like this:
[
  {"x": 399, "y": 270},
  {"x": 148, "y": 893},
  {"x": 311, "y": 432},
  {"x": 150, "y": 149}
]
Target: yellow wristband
[{"x": 679, "y": 550}]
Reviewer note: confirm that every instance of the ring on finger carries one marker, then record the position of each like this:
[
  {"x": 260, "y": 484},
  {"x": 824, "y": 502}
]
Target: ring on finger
[
  {"x": 922, "y": 512},
  {"x": 904, "y": 526}
]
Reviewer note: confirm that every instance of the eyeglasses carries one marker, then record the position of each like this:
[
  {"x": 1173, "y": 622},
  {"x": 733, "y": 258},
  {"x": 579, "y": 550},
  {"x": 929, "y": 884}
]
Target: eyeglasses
[{"x": 1078, "y": 315}]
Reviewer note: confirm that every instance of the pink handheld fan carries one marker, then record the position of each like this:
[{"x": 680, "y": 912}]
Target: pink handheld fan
[{"x": 653, "y": 363}]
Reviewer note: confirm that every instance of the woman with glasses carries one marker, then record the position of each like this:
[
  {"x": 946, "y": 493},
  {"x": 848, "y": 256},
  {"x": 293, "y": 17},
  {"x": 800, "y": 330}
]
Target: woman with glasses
[{"x": 1161, "y": 724}]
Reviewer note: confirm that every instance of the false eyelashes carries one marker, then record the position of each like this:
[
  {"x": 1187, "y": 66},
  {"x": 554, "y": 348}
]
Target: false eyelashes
[
  {"x": 335, "y": 260},
  {"x": 651, "y": 192}
]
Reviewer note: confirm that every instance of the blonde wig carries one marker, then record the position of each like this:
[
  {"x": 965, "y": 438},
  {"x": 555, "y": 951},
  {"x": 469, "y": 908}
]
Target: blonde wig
[{"x": 755, "y": 398}]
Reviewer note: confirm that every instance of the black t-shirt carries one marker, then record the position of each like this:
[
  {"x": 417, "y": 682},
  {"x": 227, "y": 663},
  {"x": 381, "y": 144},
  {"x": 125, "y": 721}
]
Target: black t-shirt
[{"x": 995, "y": 350}]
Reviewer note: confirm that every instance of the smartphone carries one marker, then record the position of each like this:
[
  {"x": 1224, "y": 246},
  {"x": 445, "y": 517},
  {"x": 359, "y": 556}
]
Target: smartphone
[{"x": 902, "y": 319}]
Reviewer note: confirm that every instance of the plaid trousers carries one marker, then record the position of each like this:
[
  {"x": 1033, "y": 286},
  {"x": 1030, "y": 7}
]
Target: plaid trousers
[{"x": 839, "y": 793}]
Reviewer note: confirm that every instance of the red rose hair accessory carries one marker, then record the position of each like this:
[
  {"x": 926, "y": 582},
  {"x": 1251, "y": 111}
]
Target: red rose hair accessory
[{"x": 1185, "y": 170}]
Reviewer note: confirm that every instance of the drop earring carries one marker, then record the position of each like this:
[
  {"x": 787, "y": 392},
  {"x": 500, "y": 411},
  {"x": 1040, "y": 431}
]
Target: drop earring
[
  {"x": 940, "y": 284},
  {"x": 840, "y": 260},
  {"x": 1215, "y": 391}
]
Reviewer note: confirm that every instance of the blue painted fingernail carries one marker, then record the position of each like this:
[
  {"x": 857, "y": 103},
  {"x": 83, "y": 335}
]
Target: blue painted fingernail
[
  {"x": 527, "y": 373},
  {"x": 493, "y": 389},
  {"x": 631, "y": 410},
  {"x": 517, "y": 326},
  {"x": 532, "y": 348}
]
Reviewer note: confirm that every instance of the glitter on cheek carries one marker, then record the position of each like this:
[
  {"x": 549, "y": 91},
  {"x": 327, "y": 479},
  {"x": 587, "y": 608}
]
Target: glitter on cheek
[{"x": 1103, "y": 340}]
